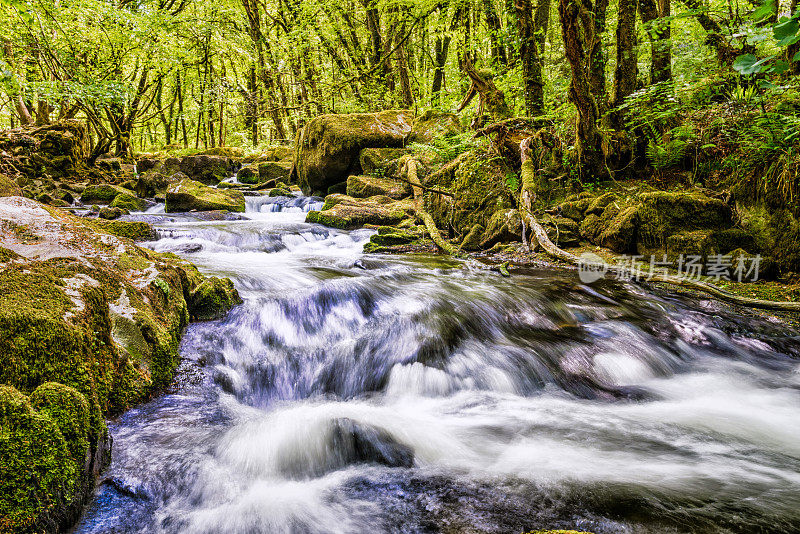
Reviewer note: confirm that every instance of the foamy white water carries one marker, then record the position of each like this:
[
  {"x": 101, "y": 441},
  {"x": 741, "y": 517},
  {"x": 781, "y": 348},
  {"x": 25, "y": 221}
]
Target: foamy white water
[{"x": 354, "y": 393}]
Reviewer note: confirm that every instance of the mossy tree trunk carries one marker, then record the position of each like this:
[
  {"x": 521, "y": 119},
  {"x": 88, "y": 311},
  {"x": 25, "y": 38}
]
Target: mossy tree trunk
[
  {"x": 626, "y": 69},
  {"x": 495, "y": 29},
  {"x": 492, "y": 100},
  {"x": 578, "y": 31},
  {"x": 530, "y": 57}
]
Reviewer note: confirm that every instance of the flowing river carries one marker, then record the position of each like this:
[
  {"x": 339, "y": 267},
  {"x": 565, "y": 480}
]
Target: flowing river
[{"x": 366, "y": 393}]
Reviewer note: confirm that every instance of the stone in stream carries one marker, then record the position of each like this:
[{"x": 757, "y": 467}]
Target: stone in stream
[
  {"x": 89, "y": 326},
  {"x": 189, "y": 195},
  {"x": 103, "y": 193},
  {"x": 274, "y": 170},
  {"x": 344, "y": 212},
  {"x": 328, "y": 146}
]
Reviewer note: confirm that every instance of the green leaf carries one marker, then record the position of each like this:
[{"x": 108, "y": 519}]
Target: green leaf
[
  {"x": 766, "y": 10},
  {"x": 749, "y": 64},
  {"x": 780, "y": 67},
  {"x": 796, "y": 57},
  {"x": 786, "y": 29}
]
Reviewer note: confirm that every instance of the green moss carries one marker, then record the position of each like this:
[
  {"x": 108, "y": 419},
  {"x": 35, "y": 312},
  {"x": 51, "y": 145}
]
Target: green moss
[
  {"x": 8, "y": 187},
  {"x": 70, "y": 411},
  {"x": 128, "y": 202},
  {"x": 103, "y": 193},
  {"x": 135, "y": 230},
  {"x": 188, "y": 195},
  {"x": 368, "y": 186},
  {"x": 663, "y": 213},
  {"x": 280, "y": 192},
  {"x": 212, "y": 299},
  {"x": 37, "y": 474}
]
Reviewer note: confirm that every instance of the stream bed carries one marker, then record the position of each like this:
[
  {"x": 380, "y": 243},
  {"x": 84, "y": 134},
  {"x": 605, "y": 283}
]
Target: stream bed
[{"x": 372, "y": 393}]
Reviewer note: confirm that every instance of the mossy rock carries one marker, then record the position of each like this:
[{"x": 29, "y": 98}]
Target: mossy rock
[
  {"x": 697, "y": 243},
  {"x": 280, "y": 192},
  {"x": 274, "y": 170},
  {"x": 248, "y": 174},
  {"x": 369, "y": 186},
  {"x": 562, "y": 231},
  {"x": 433, "y": 124},
  {"x": 226, "y": 151},
  {"x": 206, "y": 169},
  {"x": 664, "y": 213},
  {"x": 472, "y": 241},
  {"x": 111, "y": 165},
  {"x": 348, "y": 213},
  {"x": 575, "y": 209},
  {"x": 391, "y": 239},
  {"x": 128, "y": 202},
  {"x": 277, "y": 153},
  {"x": 189, "y": 195},
  {"x": 8, "y": 187},
  {"x": 110, "y": 213},
  {"x": 329, "y": 145},
  {"x": 103, "y": 193},
  {"x": 71, "y": 412},
  {"x": 776, "y": 233},
  {"x": 151, "y": 183},
  {"x": 212, "y": 299},
  {"x": 504, "y": 226},
  {"x": 37, "y": 474},
  {"x": 133, "y": 230},
  {"x": 732, "y": 238},
  {"x": 373, "y": 160},
  {"x": 598, "y": 205}
]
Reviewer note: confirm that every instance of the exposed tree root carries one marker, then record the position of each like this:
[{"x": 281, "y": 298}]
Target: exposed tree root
[
  {"x": 425, "y": 217},
  {"x": 527, "y": 195}
]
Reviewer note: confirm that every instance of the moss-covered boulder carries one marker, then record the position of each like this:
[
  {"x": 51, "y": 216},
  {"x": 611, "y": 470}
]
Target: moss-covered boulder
[
  {"x": 109, "y": 213},
  {"x": 212, "y": 298},
  {"x": 103, "y": 193},
  {"x": 695, "y": 243},
  {"x": 329, "y": 145},
  {"x": 89, "y": 326},
  {"x": 133, "y": 230},
  {"x": 380, "y": 160},
  {"x": 347, "y": 213},
  {"x": 38, "y": 476},
  {"x": 189, "y": 195},
  {"x": 248, "y": 174},
  {"x": 479, "y": 189},
  {"x": 432, "y": 124},
  {"x": 152, "y": 183},
  {"x": 277, "y": 153},
  {"x": 8, "y": 187},
  {"x": 274, "y": 170},
  {"x": 359, "y": 186},
  {"x": 128, "y": 202},
  {"x": 206, "y": 169},
  {"x": 664, "y": 213}
]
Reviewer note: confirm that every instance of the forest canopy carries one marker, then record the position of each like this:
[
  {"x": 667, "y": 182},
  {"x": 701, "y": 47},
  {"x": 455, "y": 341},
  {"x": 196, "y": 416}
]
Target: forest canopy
[{"x": 152, "y": 73}]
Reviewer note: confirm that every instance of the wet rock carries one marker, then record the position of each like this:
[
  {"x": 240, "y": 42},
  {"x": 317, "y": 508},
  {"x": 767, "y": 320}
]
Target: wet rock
[
  {"x": 133, "y": 230},
  {"x": 189, "y": 195},
  {"x": 109, "y": 164},
  {"x": 274, "y": 170},
  {"x": 342, "y": 211},
  {"x": 280, "y": 192},
  {"x": 206, "y": 169},
  {"x": 562, "y": 231},
  {"x": 329, "y": 145},
  {"x": 152, "y": 183},
  {"x": 212, "y": 299},
  {"x": 368, "y": 186},
  {"x": 504, "y": 226},
  {"x": 145, "y": 164},
  {"x": 433, "y": 124}
]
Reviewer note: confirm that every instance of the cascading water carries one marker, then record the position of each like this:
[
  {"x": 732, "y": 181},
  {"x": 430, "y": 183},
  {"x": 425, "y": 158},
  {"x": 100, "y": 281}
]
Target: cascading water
[{"x": 354, "y": 393}]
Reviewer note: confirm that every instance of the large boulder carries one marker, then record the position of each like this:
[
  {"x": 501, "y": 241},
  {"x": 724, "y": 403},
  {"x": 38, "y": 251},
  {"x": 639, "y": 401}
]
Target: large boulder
[
  {"x": 346, "y": 213},
  {"x": 370, "y": 186},
  {"x": 274, "y": 170},
  {"x": 8, "y": 187},
  {"x": 328, "y": 146},
  {"x": 189, "y": 195},
  {"x": 89, "y": 326},
  {"x": 664, "y": 213},
  {"x": 432, "y": 124},
  {"x": 377, "y": 160},
  {"x": 206, "y": 169},
  {"x": 248, "y": 174}
]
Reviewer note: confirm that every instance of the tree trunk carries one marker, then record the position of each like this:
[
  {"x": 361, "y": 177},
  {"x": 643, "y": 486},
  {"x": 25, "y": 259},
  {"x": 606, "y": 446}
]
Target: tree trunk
[
  {"x": 626, "y": 70},
  {"x": 578, "y": 32},
  {"x": 793, "y": 49},
  {"x": 495, "y": 29},
  {"x": 658, "y": 30},
  {"x": 531, "y": 60}
]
